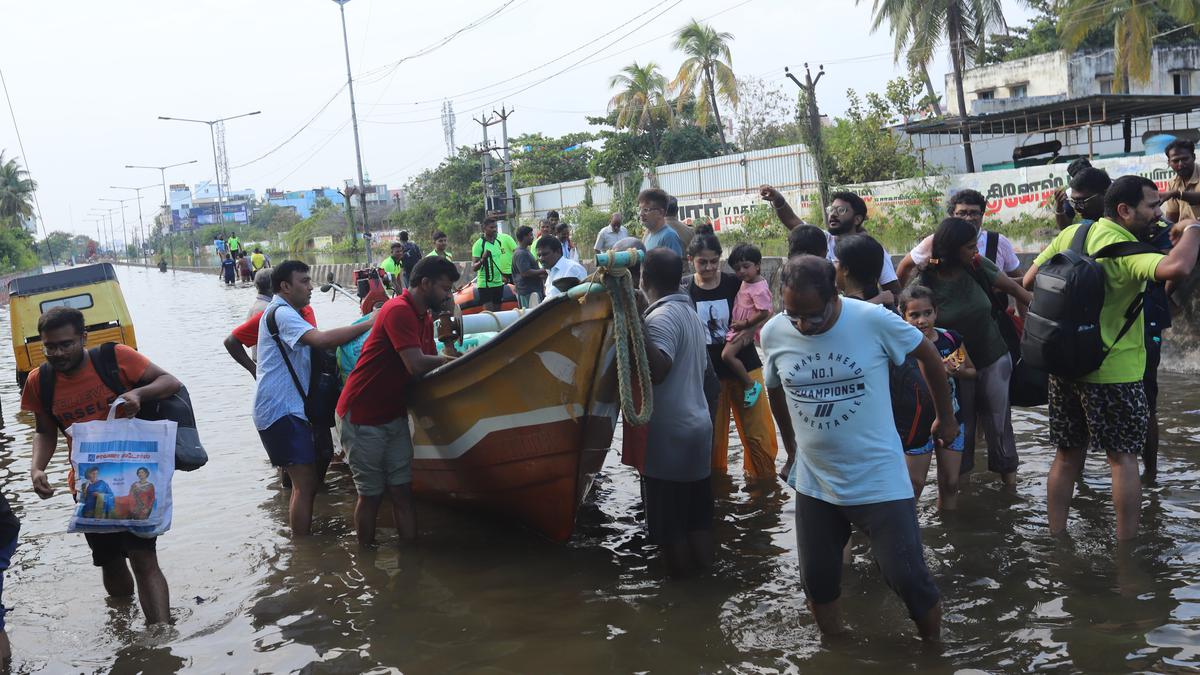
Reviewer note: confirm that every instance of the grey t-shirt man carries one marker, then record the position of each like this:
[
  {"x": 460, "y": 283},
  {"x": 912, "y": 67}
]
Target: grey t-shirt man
[
  {"x": 523, "y": 262},
  {"x": 679, "y": 440}
]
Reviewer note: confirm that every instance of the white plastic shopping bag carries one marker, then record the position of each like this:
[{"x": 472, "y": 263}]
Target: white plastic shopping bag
[{"x": 123, "y": 470}]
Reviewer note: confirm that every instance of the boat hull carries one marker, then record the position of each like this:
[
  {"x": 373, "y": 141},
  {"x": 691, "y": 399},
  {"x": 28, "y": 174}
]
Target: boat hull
[{"x": 521, "y": 426}]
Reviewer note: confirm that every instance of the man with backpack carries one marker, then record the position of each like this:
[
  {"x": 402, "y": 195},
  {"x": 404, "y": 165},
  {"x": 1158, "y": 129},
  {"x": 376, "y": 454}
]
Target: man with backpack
[
  {"x": 77, "y": 390},
  {"x": 1085, "y": 327},
  {"x": 283, "y": 392},
  {"x": 410, "y": 255},
  {"x": 970, "y": 205}
]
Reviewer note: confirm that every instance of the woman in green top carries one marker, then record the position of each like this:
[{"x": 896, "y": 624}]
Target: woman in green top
[{"x": 958, "y": 276}]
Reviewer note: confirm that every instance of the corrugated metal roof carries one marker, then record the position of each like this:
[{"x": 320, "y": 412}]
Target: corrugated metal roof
[{"x": 1101, "y": 109}]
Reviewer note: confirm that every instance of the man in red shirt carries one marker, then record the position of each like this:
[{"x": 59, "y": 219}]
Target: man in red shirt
[
  {"x": 372, "y": 417},
  {"x": 81, "y": 396}
]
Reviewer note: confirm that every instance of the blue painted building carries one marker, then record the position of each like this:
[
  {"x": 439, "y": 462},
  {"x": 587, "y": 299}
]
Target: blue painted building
[{"x": 303, "y": 200}]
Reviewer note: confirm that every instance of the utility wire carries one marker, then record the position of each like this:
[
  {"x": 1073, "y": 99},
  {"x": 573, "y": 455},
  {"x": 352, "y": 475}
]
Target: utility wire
[
  {"x": 25, "y": 158},
  {"x": 298, "y": 131}
]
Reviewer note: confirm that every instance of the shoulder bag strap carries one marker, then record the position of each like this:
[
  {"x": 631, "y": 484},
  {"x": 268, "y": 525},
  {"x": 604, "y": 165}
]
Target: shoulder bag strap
[
  {"x": 104, "y": 360},
  {"x": 992, "y": 243},
  {"x": 1079, "y": 241},
  {"x": 1119, "y": 249},
  {"x": 273, "y": 329},
  {"x": 46, "y": 381}
]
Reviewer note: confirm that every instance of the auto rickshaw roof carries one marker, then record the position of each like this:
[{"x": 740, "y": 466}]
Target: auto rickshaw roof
[{"x": 68, "y": 278}]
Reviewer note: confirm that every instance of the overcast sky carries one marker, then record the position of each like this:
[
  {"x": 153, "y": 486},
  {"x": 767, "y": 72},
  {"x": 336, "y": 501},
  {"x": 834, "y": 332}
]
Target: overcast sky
[{"x": 88, "y": 80}]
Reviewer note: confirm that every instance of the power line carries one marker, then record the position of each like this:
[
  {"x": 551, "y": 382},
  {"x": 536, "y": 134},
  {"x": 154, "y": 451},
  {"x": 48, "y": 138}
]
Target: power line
[
  {"x": 298, "y": 131},
  {"x": 25, "y": 157}
]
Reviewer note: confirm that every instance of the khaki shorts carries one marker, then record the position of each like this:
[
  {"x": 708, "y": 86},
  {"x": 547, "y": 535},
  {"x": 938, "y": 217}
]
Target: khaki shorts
[{"x": 379, "y": 455}]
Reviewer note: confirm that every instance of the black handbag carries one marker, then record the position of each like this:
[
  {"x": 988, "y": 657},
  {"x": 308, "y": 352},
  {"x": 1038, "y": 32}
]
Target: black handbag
[
  {"x": 324, "y": 385},
  {"x": 1028, "y": 385}
]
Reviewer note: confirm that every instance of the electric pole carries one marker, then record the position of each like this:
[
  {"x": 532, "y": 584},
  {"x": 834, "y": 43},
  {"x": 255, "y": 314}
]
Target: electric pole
[
  {"x": 816, "y": 143},
  {"x": 510, "y": 205},
  {"x": 486, "y": 154}
]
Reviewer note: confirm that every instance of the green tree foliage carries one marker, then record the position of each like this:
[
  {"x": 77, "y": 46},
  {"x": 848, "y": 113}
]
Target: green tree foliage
[
  {"x": 860, "y": 148},
  {"x": 447, "y": 198},
  {"x": 1132, "y": 25},
  {"x": 687, "y": 143},
  {"x": 540, "y": 160},
  {"x": 61, "y": 244},
  {"x": 16, "y": 191},
  {"x": 16, "y": 250},
  {"x": 920, "y": 27},
  {"x": 274, "y": 218},
  {"x": 706, "y": 74}
]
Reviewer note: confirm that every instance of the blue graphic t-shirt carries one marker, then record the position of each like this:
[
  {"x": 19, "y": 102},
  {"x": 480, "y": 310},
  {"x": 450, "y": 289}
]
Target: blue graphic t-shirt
[{"x": 837, "y": 390}]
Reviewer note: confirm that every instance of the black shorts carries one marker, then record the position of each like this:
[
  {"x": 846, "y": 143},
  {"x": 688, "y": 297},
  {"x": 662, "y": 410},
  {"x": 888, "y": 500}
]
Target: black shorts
[
  {"x": 114, "y": 546},
  {"x": 1153, "y": 358},
  {"x": 491, "y": 296},
  {"x": 674, "y": 508},
  {"x": 822, "y": 530}
]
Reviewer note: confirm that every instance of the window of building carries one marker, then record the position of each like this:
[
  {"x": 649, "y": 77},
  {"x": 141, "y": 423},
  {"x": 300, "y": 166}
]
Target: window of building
[
  {"x": 1018, "y": 90},
  {"x": 1183, "y": 83},
  {"x": 1104, "y": 83},
  {"x": 985, "y": 94}
]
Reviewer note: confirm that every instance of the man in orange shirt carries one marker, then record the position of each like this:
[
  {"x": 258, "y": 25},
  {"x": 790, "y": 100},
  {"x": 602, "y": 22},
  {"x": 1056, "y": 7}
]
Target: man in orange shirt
[{"x": 81, "y": 396}]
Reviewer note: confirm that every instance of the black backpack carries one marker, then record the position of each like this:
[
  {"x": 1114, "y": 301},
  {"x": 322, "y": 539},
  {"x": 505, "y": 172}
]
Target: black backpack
[
  {"x": 411, "y": 256},
  {"x": 912, "y": 403},
  {"x": 1062, "y": 328},
  {"x": 324, "y": 383},
  {"x": 189, "y": 453}
]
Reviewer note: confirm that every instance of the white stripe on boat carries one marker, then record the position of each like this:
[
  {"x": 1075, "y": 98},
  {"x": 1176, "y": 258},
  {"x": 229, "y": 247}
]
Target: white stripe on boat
[{"x": 485, "y": 426}]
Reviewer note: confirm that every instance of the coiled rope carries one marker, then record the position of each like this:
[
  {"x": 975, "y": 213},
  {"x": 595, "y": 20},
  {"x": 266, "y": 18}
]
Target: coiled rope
[{"x": 627, "y": 336}]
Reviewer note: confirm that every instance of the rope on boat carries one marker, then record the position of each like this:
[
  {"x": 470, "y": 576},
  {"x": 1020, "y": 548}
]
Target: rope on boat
[{"x": 627, "y": 335}]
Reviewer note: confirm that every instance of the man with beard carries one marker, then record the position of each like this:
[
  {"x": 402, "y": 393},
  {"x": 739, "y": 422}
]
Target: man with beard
[
  {"x": 846, "y": 214},
  {"x": 80, "y": 395},
  {"x": 1183, "y": 195}
]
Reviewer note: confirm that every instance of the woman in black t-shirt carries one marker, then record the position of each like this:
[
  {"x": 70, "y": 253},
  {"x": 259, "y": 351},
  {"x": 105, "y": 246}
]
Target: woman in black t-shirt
[{"x": 713, "y": 293}]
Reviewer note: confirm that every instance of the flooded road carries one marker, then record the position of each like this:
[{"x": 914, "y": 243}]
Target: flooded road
[{"x": 475, "y": 595}]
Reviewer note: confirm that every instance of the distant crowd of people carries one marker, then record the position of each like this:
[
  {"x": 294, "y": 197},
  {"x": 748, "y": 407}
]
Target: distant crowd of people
[{"x": 235, "y": 263}]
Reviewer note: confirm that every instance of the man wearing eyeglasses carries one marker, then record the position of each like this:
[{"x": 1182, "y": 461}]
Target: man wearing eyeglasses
[
  {"x": 970, "y": 206},
  {"x": 826, "y": 372},
  {"x": 846, "y": 214},
  {"x": 652, "y": 210}
]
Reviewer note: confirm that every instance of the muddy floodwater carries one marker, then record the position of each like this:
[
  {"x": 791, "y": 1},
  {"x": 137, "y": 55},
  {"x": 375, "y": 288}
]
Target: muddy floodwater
[{"x": 480, "y": 595}]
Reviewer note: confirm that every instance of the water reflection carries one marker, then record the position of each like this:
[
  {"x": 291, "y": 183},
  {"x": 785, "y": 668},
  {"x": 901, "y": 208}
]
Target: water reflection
[{"x": 475, "y": 594}]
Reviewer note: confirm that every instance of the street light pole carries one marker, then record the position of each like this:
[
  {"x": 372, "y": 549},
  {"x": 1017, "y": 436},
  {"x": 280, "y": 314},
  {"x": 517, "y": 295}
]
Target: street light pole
[
  {"x": 213, "y": 137},
  {"x": 166, "y": 200},
  {"x": 124, "y": 227},
  {"x": 141, "y": 222},
  {"x": 362, "y": 186}
]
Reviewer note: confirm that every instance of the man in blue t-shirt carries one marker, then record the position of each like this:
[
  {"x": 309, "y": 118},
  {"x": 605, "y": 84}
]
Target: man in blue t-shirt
[
  {"x": 827, "y": 380},
  {"x": 283, "y": 377},
  {"x": 652, "y": 210}
]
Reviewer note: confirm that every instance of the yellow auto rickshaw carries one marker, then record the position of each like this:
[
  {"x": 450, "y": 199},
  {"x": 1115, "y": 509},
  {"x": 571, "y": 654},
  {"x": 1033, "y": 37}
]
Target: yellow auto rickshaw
[{"x": 92, "y": 289}]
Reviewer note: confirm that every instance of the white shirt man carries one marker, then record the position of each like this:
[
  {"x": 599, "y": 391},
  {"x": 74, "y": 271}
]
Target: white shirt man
[{"x": 565, "y": 268}]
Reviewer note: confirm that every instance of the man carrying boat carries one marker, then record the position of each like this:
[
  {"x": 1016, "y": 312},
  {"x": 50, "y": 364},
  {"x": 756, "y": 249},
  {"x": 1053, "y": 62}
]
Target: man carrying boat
[
  {"x": 371, "y": 412},
  {"x": 677, "y": 470}
]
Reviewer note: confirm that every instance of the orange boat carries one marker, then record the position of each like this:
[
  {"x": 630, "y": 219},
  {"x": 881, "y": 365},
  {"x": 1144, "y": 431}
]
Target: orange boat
[
  {"x": 521, "y": 425},
  {"x": 467, "y": 299}
]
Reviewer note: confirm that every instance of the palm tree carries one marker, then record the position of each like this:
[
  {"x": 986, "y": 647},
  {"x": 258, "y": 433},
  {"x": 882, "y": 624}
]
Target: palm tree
[
  {"x": 1134, "y": 26},
  {"x": 16, "y": 191},
  {"x": 706, "y": 74},
  {"x": 920, "y": 26},
  {"x": 641, "y": 102}
]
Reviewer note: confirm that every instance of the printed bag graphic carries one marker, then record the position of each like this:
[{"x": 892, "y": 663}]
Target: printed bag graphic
[{"x": 123, "y": 470}]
